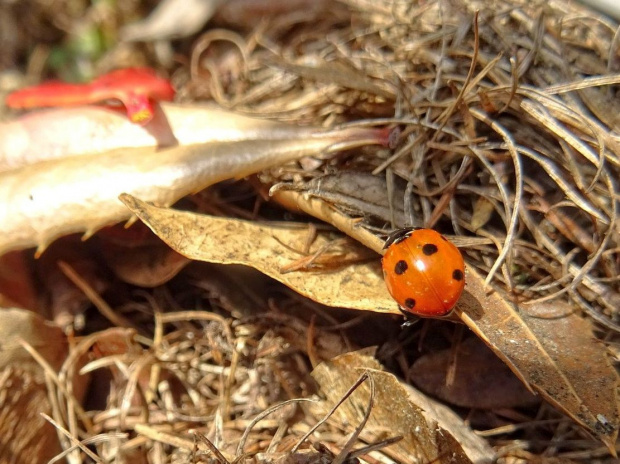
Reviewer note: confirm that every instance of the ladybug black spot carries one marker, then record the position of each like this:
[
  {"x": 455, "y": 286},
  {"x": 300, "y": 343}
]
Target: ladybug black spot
[
  {"x": 400, "y": 267},
  {"x": 410, "y": 303},
  {"x": 457, "y": 274},
  {"x": 429, "y": 249}
]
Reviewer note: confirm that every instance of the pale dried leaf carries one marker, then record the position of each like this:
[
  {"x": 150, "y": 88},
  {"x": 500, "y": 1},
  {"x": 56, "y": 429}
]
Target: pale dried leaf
[
  {"x": 52, "y": 198},
  {"x": 172, "y": 19},
  {"x": 58, "y": 133}
]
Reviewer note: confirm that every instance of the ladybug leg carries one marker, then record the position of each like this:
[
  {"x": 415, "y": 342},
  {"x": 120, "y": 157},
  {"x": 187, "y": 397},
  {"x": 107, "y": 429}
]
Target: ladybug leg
[{"x": 410, "y": 319}]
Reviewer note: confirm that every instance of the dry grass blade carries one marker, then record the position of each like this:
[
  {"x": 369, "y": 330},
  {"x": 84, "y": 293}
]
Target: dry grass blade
[
  {"x": 261, "y": 416},
  {"x": 216, "y": 452},
  {"x": 75, "y": 443},
  {"x": 346, "y": 395},
  {"x": 96, "y": 299},
  {"x": 518, "y": 194},
  {"x": 346, "y": 449}
]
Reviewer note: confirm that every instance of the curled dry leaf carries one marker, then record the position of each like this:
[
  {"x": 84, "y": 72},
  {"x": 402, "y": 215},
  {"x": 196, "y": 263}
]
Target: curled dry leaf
[
  {"x": 80, "y": 194},
  {"x": 347, "y": 277},
  {"x": 431, "y": 432},
  {"x": 145, "y": 266}
]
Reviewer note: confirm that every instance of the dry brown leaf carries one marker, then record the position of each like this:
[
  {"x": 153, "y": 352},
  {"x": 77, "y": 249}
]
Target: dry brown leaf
[
  {"x": 580, "y": 382},
  {"x": 65, "y": 302},
  {"x": 358, "y": 193},
  {"x": 46, "y": 338},
  {"x": 552, "y": 349},
  {"x": 240, "y": 290},
  {"x": 17, "y": 289},
  {"x": 483, "y": 210},
  {"x": 336, "y": 73},
  {"x": 342, "y": 280},
  {"x": 250, "y": 14},
  {"x": 427, "y": 436},
  {"x": 481, "y": 380}
]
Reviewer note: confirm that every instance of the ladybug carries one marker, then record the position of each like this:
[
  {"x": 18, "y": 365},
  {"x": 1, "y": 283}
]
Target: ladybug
[{"x": 423, "y": 271}]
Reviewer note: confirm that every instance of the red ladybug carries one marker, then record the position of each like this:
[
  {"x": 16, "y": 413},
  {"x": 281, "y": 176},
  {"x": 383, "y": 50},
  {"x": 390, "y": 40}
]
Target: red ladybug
[{"x": 423, "y": 271}]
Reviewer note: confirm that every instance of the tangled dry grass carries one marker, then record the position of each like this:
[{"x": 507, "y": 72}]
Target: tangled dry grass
[
  {"x": 509, "y": 116},
  {"x": 509, "y": 119}
]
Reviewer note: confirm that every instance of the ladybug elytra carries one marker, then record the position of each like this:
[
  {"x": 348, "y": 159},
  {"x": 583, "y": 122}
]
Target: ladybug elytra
[{"x": 424, "y": 271}]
